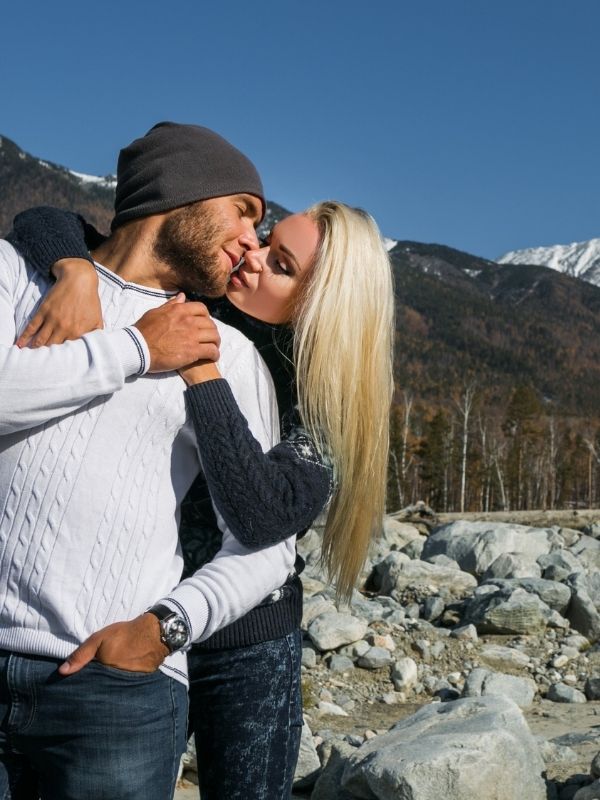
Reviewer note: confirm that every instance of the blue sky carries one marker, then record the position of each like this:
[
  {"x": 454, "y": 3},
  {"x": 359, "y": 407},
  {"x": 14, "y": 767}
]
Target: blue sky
[{"x": 464, "y": 122}]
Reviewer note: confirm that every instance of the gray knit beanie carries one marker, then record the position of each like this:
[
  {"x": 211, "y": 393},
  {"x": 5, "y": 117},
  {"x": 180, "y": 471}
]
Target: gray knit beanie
[{"x": 174, "y": 165}]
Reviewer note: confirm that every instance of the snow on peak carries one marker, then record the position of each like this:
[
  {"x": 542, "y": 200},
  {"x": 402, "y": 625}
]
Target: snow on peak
[
  {"x": 108, "y": 182},
  {"x": 389, "y": 244},
  {"x": 579, "y": 259}
]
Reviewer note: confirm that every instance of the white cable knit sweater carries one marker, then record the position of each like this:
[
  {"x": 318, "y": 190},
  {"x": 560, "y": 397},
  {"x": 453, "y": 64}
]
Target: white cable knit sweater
[{"x": 95, "y": 458}]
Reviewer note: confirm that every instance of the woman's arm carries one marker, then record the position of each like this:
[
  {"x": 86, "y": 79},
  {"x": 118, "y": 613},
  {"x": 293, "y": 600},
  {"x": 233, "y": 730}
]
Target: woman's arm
[
  {"x": 263, "y": 497},
  {"x": 56, "y": 244},
  {"x": 45, "y": 235}
]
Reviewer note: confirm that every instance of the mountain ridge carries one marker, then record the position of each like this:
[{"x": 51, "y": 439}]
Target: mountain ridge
[{"x": 459, "y": 317}]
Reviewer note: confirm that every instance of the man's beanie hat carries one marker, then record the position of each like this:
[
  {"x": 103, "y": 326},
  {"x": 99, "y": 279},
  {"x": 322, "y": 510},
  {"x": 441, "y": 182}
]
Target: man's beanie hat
[{"x": 173, "y": 165}]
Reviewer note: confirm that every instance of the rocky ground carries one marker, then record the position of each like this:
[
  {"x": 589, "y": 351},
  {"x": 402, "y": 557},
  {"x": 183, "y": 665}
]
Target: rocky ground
[{"x": 468, "y": 668}]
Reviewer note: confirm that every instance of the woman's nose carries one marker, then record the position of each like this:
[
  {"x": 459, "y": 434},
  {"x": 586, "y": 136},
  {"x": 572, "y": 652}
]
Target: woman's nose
[{"x": 254, "y": 260}]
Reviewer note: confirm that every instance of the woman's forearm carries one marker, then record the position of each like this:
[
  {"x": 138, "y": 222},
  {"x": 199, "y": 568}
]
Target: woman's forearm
[
  {"x": 45, "y": 235},
  {"x": 263, "y": 497}
]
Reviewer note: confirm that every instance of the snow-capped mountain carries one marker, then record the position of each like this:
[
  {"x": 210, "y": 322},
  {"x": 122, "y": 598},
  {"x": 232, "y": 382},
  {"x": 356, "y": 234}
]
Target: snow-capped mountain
[{"x": 579, "y": 259}]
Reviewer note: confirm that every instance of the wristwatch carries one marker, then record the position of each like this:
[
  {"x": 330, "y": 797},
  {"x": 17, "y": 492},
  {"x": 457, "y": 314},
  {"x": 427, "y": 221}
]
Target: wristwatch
[{"x": 174, "y": 630}]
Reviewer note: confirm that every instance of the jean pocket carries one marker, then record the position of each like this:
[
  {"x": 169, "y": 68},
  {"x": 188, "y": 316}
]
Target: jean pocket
[{"x": 124, "y": 673}]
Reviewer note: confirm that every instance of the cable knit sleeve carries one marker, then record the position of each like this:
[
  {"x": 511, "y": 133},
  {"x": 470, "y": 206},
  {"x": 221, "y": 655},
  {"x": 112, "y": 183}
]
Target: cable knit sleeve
[
  {"x": 44, "y": 235},
  {"x": 41, "y": 384},
  {"x": 263, "y": 497}
]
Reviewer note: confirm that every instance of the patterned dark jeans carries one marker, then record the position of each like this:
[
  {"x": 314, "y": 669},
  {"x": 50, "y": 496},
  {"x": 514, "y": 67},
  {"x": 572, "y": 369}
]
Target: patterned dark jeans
[{"x": 246, "y": 713}]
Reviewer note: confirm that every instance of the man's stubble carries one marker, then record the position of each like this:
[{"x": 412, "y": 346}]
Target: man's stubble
[{"x": 189, "y": 242}]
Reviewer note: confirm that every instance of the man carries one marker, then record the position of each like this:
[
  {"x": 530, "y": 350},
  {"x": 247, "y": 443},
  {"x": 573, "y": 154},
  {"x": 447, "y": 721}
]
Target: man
[{"x": 95, "y": 457}]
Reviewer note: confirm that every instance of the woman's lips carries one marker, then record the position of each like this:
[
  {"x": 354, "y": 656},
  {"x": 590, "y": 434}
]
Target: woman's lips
[{"x": 237, "y": 281}]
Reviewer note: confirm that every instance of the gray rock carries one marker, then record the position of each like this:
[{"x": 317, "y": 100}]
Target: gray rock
[
  {"x": 326, "y": 708},
  {"x": 455, "y": 751},
  {"x": 593, "y": 530},
  {"x": 433, "y": 608},
  {"x": 327, "y": 786},
  {"x": 591, "y": 792},
  {"x": 595, "y": 767},
  {"x": 313, "y": 607},
  {"x": 356, "y": 649},
  {"x": 481, "y": 683},
  {"x": 398, "y": 572},
  {"x": 309, "y": 764},
  {"x": 553, "y": 753},
  {"x": 476, "y": 545},
  {"x": 576, "y": 738},
  {"x": 375, "y": 658},
  {"x": 369, "y": 610},
  {"x": 503, "y": 657},
  {"x": 442, "y": 561},
  {"x": 512, "y": 565},
  {"x": 404, "y": 674},
  {"x": 587, "y": 551},
  {"x": 577, "y": 641},
  {"x": 592, "y": 689},
  {"x": 339, "y": 663},
  {"x": 519, "y": 612},
  {"x": 465, "y": 633},
  {"x": 558, "y": 565},
  {"x": 414, "y": 548},
  {"x": 561, "y": 693},
  {"x": 395, "y": 535},
  {"x": 436, "y": 650},
  {"x": 331, "y": 630},
  {"x": 309, "y": 657},
  {"x": 583, "y": 616},
  {"x": 555, "y": 595},
  {"x": 413, "y": 611}
]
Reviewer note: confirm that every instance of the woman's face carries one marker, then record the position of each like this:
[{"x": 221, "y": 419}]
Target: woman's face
[{"x": 267, "y": 283}]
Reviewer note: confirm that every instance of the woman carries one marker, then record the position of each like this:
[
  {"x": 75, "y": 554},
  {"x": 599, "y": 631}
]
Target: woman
[{"x": 317, "y": 302}]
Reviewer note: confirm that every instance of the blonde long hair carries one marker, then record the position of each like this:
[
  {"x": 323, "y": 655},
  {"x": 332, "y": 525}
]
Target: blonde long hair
[{"x": 344, "y": 329}]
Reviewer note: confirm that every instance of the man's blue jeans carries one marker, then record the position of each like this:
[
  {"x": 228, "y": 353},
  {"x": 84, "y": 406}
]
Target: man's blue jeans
[
  {"x": 246, "y": 713},
  {"x": 100, "y": 734}
]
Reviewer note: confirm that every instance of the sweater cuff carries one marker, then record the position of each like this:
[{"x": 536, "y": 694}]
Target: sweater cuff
[
  {"x": 44, "y": 253},
  {"x": 211, "y": 400},
  {"x": 130, "y": 347},
  {"x": 191, "y": 604}
]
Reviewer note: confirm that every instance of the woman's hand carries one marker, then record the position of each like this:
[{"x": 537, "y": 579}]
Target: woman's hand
[
  {"x": 199, "y": 372},
  {"x": 69, "y": 309}
]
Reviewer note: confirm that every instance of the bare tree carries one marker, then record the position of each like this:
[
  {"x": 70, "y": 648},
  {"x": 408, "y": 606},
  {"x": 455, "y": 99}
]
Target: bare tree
[{"x": 465, "y": 406}]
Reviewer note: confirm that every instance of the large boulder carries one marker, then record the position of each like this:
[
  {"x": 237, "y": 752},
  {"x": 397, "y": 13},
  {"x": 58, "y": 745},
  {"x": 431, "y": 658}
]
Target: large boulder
[
  {"x": 505, "y": 611},
  {"x": 587, "y": 552},
  {"x": 397, "y": 572},
  {"x": 468, "y": 749},
  {"x": 476, "y": 545},
  {"x": 556, "y": 595},
  {"x": 512, "y": 565}
]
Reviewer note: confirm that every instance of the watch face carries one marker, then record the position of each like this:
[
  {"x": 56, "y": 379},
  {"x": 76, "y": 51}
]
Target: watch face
[{"x": 175, "y": 632}]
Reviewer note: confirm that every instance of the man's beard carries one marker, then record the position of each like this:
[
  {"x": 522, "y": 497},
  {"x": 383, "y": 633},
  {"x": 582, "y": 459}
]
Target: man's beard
[{"x": 188, "y": 242}]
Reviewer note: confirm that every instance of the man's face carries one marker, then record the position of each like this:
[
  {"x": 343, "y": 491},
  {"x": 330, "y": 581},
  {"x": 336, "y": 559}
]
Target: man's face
[{"x": 202, "y": 242}]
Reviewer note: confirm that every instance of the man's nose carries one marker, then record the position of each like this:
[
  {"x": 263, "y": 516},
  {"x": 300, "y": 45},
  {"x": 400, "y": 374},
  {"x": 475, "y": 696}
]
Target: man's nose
[{"x": 249, "y": 240}]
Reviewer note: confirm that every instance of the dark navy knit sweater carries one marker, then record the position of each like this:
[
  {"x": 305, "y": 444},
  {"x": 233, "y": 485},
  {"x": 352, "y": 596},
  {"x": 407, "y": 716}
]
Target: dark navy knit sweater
[{"x": 263, "y": 497}]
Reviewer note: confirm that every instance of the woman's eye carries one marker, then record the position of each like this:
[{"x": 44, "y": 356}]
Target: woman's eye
[{"x": 282, "y": 267}]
